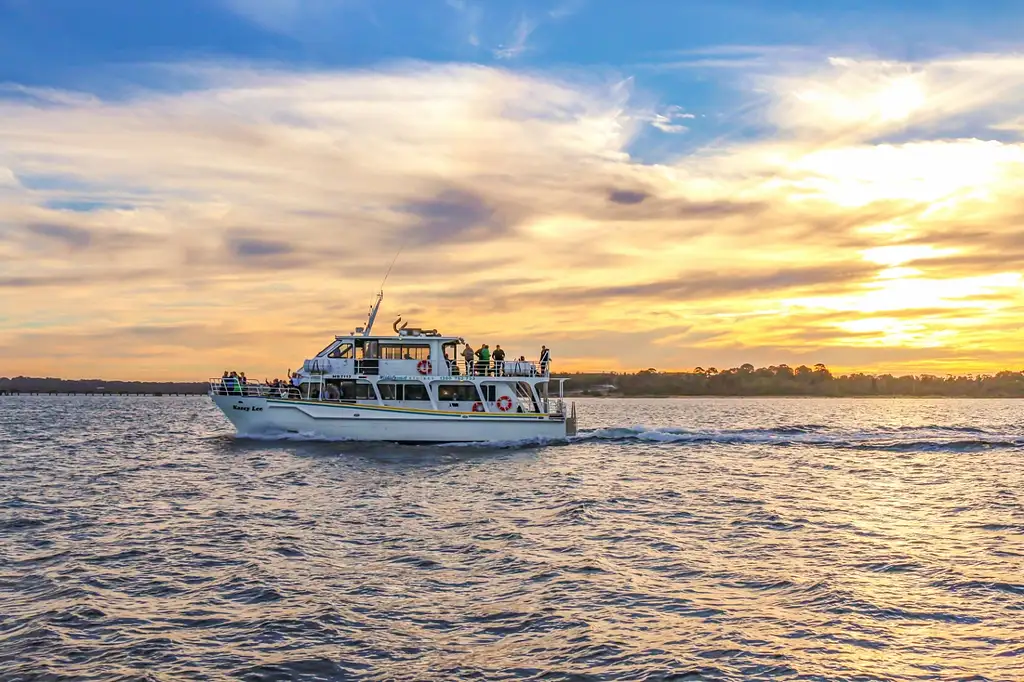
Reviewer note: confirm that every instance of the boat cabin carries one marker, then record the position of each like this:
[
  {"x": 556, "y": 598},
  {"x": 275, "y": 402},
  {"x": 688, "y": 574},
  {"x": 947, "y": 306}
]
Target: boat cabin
[{"x": 420, "y": 369}]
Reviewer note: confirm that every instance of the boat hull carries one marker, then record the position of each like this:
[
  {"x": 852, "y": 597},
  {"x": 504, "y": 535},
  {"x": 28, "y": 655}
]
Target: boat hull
[{"x": 298, "y": 419}]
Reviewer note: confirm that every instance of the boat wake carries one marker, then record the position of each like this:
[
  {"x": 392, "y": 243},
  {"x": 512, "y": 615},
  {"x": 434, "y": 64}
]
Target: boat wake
[{"x": 895, "y": 439}]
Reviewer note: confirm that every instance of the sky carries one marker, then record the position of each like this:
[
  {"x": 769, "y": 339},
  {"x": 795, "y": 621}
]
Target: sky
[{"x": 200, "y": 185}]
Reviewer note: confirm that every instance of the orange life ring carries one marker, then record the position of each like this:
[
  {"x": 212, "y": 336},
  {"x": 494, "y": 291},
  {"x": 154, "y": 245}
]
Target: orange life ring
[
  {"x": 423, "y": 366},
  {"x": 504, "y": 403},
  {"x": 478, "y": 406}
]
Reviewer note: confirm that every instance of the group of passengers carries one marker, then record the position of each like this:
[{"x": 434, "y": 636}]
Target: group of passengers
[
  {"x": 232, "y": 383},
  {"x": 236, "y": 383},
  {"x": 479, "y": 362},
  {"x": 282, "y": 386}
]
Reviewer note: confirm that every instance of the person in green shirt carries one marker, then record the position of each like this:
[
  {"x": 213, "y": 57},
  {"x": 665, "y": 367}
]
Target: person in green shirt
[{"x": 483, "y": 366}]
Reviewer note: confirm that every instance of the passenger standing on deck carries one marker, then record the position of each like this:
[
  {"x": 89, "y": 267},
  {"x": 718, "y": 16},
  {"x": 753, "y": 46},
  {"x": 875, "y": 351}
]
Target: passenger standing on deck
[
  {"x": 484, "y": 366},
  {"x": 545, "y": 360},
  {"x": 467, "y": 353},
  {"x": 499, "y": 361}
]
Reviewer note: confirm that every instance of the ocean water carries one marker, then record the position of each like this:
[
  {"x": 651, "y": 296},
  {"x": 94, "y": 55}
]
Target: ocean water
[{"x": 690, "y": 539}]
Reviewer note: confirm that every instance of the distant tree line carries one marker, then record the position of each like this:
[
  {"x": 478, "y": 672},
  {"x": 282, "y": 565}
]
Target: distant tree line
[
  {"x": 746, "y": 380},
  {"x": 48, "y": 384}
]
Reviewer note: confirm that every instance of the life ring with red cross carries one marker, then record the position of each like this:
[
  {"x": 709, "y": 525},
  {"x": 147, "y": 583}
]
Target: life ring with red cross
[
  {"x": 504, "y": 403},
  {"x": 478, "y": 406},
  {"x": 423, "y": 367}
]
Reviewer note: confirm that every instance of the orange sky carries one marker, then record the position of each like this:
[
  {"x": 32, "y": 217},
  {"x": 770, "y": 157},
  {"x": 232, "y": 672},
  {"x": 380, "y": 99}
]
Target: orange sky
[{"x": 240, "y": 224}]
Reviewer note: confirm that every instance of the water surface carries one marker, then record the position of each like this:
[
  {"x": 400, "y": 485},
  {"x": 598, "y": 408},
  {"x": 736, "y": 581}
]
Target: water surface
[{"x": 698, "y": 539}]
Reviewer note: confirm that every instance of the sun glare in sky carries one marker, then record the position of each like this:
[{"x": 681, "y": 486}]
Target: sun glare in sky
[{"x": 172, "y": 208}]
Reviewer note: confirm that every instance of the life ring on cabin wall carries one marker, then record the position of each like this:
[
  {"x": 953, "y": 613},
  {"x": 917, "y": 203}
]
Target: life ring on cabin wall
[
  {"x": 423, "y": 366},
  {"x": 478, "y": 406},
  {"x": 504, "y": 403}
]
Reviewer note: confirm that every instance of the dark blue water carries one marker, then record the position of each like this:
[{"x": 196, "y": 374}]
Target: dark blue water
[{"x": 675, "y": 539}]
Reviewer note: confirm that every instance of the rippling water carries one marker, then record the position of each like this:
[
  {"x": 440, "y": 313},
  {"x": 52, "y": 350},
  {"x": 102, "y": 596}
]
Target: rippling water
[{"x": 690, "y": 539}]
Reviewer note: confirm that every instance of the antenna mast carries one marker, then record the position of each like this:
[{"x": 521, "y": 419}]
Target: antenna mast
[{"x": 380, "y": 295}]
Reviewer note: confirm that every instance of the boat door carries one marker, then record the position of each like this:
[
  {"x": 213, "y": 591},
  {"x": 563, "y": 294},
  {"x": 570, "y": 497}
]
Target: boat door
[{"x": 367, "y": 352}]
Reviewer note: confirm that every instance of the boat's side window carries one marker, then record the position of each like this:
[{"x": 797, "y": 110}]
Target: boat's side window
[
  {"x": 390, "y": 391},
  {"x": 490, "y": 392},
  {"x": 364, "y": 391},
  {"x": 416, "y": 392},
  {"x": 356, "y": 390},
  {"x": 416, "y": 353},
  {"x": 525, "y": 395},
  {"x": 342, "y": 351},
  {"x": 404, "y": 352},
  {"x": 457, "y": 392}
]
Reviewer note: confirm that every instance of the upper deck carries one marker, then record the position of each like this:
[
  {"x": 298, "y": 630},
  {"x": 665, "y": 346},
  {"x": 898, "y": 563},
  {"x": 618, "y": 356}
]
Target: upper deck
[{"x": 420, "y": 353}]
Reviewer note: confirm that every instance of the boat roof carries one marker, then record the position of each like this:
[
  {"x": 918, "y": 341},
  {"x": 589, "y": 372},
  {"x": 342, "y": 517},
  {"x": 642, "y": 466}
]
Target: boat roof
[{"x": 428, "y": 335}]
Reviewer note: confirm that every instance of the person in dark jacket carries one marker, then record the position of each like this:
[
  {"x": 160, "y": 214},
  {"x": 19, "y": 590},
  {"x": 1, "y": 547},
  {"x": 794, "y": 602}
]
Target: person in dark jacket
[
  {"x": 545, "y": 360},
  {"x": 499, "y": 361}
]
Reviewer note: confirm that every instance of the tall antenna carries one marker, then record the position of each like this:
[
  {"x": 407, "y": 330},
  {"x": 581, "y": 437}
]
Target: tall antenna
[
  {"x": 388, "y": 273},
  {"x": 380, "y": 294}
]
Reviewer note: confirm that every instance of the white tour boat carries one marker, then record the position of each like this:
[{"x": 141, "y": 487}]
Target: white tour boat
[{"x": 407, "y": 387}]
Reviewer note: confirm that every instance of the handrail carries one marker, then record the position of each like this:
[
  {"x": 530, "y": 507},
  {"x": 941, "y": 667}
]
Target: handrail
[
  {"x": 232, "y": 386},
  {"x": 373, "y": 366},
  {"x": 506, "y": 368}
]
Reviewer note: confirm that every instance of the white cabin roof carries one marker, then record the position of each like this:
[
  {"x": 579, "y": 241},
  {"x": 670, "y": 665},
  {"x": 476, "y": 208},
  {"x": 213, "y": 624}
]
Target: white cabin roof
[{"x": 400, "y": 337}]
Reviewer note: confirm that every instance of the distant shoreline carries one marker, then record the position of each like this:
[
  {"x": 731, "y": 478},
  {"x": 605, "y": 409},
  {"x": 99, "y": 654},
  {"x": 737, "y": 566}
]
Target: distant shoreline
[{"x": 803, "y": 396}]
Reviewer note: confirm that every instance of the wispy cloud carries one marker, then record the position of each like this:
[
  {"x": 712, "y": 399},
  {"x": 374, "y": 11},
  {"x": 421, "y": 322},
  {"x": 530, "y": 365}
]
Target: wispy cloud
[
  {"x": 275, "y": 195},
  {"x": 298, "y": 19},
  {"x": 518, "y": 42},
  {"x": 668, "y": 120},
  {"x": 566, "y": 8}
]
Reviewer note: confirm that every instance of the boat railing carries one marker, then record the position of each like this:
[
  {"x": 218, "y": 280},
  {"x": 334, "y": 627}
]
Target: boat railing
[
  {"x": 221, "y": 386},
  {"x": 507, "y": 368}
]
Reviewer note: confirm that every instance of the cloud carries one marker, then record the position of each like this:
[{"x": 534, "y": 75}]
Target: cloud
[
  {"x": 245, "y": 247},
  {"x": 69, "y": 235},
  {"x": 518, "y": 201},
  {"x": 298, "y": 19},
  {"x": 451, "y": 215},
  {"x": 666, "y": 121},
  {"x": 862, "y": 99},
  {"x": 517, "y": 45},
  {"x": 627, "y": 197}
]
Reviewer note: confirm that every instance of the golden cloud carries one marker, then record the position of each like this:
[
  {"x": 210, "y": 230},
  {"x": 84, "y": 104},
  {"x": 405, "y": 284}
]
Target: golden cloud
[{"x": 238, "y": 222}]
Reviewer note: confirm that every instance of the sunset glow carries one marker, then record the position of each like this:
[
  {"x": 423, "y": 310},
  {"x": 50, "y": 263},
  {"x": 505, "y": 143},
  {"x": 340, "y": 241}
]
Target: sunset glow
[{"x": 236, "y": 213}]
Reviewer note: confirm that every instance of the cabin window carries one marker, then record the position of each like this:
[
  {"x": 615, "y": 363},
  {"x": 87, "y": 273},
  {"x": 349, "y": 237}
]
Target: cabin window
[
  {"x": 450, "y": 393},
  {"x": 356, "y": 390},
  {"x": 343, "y": 351},
  {"x": 404, "y": 352},
  {"x": 416, "y": 392},
  {"x": 490, "y": 392},
  {"x": 403, "y": 391},
  {"x": 525, "y": 395}
]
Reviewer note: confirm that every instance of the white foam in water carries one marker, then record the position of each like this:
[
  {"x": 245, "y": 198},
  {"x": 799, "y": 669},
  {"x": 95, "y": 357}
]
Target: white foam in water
[{"x": 889, "y": 438}]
